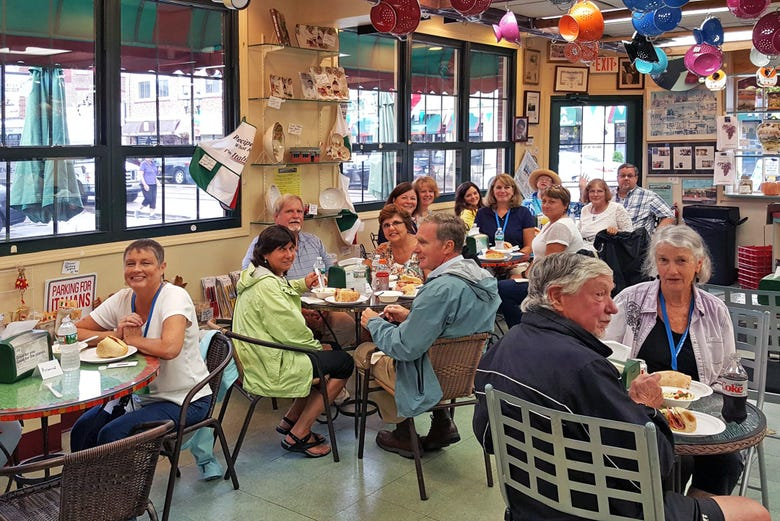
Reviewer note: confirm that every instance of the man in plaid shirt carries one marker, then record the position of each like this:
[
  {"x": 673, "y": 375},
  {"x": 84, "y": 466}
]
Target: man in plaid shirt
[{"x": 645, "y": 207}]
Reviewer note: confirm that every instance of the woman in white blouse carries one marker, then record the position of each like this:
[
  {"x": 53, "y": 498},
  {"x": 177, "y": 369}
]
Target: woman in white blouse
[
  {"x": 560, "y": 233},
  {"x": 601, "y": 213}
]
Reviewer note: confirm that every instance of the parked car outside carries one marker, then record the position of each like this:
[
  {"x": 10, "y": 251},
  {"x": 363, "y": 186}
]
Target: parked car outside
[
  {"x": 177, "y": 170},
  {"x": 85, "y": 174}
]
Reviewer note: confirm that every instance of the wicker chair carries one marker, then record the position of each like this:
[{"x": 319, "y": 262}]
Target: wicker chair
[
  {"x": 219, "y": 354},
  {"x": 105, "y": 483},
  {"x": 321, "y": 387},
  {"x": 454, "y": 361}
]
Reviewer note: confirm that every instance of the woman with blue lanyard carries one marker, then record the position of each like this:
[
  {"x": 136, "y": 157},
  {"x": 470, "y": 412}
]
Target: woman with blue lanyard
[
  {"x": 159, "y": 319},
  {"x": 672, "y": 324},
  {"x": 503, "y": 215}
]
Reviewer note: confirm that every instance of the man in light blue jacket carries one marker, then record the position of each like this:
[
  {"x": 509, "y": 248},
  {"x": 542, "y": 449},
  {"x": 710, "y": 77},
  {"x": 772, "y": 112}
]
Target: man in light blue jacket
[{"x": 458, "y": 298}]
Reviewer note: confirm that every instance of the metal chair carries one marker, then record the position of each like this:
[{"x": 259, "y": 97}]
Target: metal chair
[
  {"x": 104, "y": 483},
  {"x": 751, "y": 331},
  {"x": 321, "y": 387},
  {"x": 219, "y": 354},
  {"x": 538, "y": 458},
  {"x": 454, "y": 361}
]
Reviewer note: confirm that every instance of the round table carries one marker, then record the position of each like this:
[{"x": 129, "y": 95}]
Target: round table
[
  {"x": 510, "y": 262},
  {"x": 737, "y": 436}
]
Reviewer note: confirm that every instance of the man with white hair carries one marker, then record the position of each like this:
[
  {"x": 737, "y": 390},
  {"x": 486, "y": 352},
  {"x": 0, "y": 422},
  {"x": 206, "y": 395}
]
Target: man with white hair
[{"x": 554, "y": 358}]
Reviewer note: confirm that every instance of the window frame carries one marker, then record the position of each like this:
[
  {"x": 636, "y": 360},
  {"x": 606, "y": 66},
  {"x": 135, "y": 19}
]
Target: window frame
[{"x": 110, "y": 154}]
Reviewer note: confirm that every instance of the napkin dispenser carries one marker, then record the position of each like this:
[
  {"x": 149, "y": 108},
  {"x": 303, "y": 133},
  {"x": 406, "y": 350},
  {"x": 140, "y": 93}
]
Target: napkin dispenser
[
  {"x": 337, "y": 277},
  {"x": 476, "y": 244},
  {"x": 21, "y": 354},
  {"x": 631, "y": 369}
]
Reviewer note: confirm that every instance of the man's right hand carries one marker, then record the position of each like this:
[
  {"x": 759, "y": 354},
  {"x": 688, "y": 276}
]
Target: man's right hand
[
  {"x": 646, "y": 390},
  {"x": 395, "y": 313}
]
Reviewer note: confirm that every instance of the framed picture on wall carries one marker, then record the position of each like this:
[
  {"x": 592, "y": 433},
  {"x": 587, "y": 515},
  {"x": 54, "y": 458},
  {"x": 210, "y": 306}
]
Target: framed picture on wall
[
  {"x": 520, "y": 129},
  {"x": 531, "y": 99},
  {"x": 531, "y": 64},
  {"x": 571, "y": 79},
  {"x": 628, "y": 76},
  {"x": 556, "y": 52}
]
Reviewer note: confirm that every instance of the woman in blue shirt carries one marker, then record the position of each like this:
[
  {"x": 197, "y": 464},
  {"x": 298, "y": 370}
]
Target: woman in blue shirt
[{"x": 504, "y": 211}]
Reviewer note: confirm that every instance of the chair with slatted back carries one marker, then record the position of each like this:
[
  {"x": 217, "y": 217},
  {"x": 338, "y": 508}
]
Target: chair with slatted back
[
  {"x": 105, "y": 483},
  {"x": 454, "y": 361},
  {"x": 538, "y": 457},
  {"x": 751, "y": 331}
]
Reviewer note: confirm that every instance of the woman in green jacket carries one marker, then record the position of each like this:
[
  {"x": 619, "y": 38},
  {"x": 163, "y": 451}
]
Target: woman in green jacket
[{"x": 269, "y": 308}]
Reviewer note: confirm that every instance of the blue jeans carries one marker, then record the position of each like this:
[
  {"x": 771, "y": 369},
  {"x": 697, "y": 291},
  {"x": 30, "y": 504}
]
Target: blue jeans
[
  {"x": 96, "y": 426},
  {"x": 512, "y": 294}
]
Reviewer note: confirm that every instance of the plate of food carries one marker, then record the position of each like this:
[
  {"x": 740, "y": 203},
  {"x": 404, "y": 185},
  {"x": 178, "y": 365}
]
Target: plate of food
[
  {"x": 692, "y": 423},
  {"x": 494, "y": 256},
  {"x": 701, "y": 389},
  {"x": 345, "y": 297},
  {"x": 678, "y": 397},
  {"x": 110, "y": 349},
  {"x": 506, "y": 247},
  {"x": 409, "y": 291}
]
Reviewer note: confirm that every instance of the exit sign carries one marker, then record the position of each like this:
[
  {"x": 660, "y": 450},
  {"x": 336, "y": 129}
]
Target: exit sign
[{"x": 604, "y": 64}]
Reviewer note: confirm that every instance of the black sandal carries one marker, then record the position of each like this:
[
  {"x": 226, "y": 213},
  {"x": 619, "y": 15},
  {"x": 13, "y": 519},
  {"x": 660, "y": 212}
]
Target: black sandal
[
  {"x": 288, "y": 421},
  {"x": 303, "y": 445}
]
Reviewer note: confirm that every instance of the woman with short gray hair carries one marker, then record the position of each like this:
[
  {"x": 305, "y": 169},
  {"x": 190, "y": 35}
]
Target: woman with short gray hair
[{"x": 672, "y": 324}]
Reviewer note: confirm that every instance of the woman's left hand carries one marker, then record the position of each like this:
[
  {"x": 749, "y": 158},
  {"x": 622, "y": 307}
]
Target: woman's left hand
[
  {"x": 612, "y": 230},
  {"x": 312, "y": 280},
  {"x": 128, "y": 324}
]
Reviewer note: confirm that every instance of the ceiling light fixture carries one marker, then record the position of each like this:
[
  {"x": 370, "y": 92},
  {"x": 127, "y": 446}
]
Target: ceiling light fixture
[{"x": 731, "y": 37}]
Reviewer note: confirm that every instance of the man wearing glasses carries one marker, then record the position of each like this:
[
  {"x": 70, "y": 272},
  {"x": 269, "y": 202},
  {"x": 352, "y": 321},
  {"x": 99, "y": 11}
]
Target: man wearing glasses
[{"x": 646, "y": 208}]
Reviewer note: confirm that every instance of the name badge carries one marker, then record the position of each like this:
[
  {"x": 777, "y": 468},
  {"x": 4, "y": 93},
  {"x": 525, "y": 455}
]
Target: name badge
[{"x": 50, "y": 369}]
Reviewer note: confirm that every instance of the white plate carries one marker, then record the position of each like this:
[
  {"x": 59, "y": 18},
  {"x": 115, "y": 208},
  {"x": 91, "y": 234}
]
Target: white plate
[
  {"x": 332, "y": 300},
  {"x": 55, "y": 347},
  {"x": 412, "y": 295},
  {"x": 89, "y": 356},
  {"x": 701, "y": 390},
  {"x": 706, "y": 425},
  {"x": 488, "y": 259},
  {"x": 332, "y": 199},
  {"x": 619, "y": 351}
]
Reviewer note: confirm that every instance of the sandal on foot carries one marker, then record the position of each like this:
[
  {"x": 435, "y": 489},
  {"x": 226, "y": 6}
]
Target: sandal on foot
[
  {"x": 285, "y": 431},
  {"x": 303, "y": 445}
]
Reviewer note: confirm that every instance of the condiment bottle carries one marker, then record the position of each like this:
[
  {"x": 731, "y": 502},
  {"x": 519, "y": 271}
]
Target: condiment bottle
[{"x": 734, "y": 380}]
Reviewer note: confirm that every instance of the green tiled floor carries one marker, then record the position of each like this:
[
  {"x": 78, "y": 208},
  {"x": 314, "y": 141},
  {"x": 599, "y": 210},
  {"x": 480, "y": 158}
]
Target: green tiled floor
[{"x": 280, "y": 486}]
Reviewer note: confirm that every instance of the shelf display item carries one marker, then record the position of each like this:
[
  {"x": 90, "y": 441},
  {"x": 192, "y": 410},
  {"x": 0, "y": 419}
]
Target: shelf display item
[
  {"x": 316, "y": 37},
  {"x": 281, "y": 87},
  {"x": 768, "y": 134},
  {"x": 330, "y": 83},
  {"x": 332, "y": 199},
  {"x": 308, "y": 88},
  {"x": 273, "y": 143},
  {"x": 338, "y": 147},
  {"x": 280, "y": 27}
]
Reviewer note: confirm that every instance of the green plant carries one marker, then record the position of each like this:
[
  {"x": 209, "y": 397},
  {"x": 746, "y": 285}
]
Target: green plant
[{"x": 617, "y": 156}]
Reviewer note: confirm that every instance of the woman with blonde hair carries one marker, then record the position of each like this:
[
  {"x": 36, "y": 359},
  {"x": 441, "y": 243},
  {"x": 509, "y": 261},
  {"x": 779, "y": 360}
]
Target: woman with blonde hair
[
  {"x": 503, "y": 211},
  {"x": 427, "y": 192}
]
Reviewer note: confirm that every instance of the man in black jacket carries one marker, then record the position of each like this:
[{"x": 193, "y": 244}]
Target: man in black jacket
[{"x": 554, "y": 358}]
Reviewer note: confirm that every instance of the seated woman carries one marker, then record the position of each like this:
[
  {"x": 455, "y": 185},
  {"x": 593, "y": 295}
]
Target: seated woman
[
  {"x": 503, "y": 211},
  {"x": 672, "y": 324},
  {"x": 468, "y": 200},
  {"x": 159, "y": 319},
  {"x": 601, "y": 213},
  {"x": 398, "y": 228},
  {"x": 558, "y": 235},
  {"x": 427, "y": 191},
  {"x": 404, "y": 196},
  {"x": 269, "y": 308}
]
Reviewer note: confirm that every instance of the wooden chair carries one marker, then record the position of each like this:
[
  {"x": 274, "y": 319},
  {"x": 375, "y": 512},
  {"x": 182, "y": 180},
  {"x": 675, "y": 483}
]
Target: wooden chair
[
  {"x": 454, "y": 361},
  {"x": 319, "y": 384},
  {"x": 219, "y": 354},
  {"x": 105, "y": 483},
  {"x": 751, "y": 331},
  {"x": 537, "y": 458}
]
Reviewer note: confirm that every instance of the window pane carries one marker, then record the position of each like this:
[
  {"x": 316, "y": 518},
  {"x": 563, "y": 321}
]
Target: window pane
[
  {"x": 486, "y": 164},
  {"x": 488, "y": 92},
  {"x": 372, "y": 176},
  {"x": 439, "y": 164},
  {"x": 434, "y": 118},
  {"x": 434, "y": 69}
]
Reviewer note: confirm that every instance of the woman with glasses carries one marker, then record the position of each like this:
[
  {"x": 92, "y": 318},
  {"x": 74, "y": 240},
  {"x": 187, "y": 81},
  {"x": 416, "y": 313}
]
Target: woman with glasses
[
  {"x": 398, "y": 227},
  {"x": 601, "y": 213},
  {"x": 404, "y": 196}
]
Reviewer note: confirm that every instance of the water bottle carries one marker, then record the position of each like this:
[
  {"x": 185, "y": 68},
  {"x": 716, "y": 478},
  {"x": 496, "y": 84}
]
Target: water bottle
[
  {"x": 319, "y": 269},
  {"x": 734, "y": 380},
  {"x": 374, "y": 269},
  {"x": 67, "y": 338},
  {"x": 499, "y": 237},
  {"x": 382, "y": 276}
]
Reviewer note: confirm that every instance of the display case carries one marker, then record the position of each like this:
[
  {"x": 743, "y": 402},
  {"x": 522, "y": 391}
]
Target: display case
[{"x": 294, "y": 101}]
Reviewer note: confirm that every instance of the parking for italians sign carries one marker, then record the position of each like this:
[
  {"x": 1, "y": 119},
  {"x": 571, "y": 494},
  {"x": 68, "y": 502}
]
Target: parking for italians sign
[{"x": 79, "y": 289}]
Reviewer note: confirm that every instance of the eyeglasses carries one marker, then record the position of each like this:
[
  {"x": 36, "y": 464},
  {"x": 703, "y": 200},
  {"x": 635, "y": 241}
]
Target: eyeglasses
[
  {"x": 394, "y": 224},
  {"x": 626, "y": 176}
]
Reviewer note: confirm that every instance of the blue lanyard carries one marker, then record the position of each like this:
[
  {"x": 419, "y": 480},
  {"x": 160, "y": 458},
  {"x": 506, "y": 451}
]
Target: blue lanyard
[
  {"x": 506, "y": 220},
  {"x": 674, "y": 350},
  {"x": 151, "y": 309}
]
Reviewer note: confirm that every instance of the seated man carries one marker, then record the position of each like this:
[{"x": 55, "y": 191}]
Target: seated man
[
  {"x": 459, "y": 298},
  {"x": 288, "y": 212},
  {"x": 554, "y": 358}
]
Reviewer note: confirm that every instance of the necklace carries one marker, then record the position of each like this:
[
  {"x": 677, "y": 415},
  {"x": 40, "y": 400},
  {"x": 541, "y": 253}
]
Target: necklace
[{"x": 594, "y": 212}]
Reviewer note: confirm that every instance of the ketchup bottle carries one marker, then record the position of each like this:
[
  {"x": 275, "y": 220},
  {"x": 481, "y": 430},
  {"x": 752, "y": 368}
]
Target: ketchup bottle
[{"x": 734, "y": 379}]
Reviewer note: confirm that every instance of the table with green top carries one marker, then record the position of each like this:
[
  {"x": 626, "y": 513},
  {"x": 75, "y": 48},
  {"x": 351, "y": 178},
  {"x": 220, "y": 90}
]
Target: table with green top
[{"x": 32, "y": 397}]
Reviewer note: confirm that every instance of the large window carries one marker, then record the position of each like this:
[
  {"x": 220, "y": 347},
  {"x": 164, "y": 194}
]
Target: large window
[
  {"x": 427, "y": 106},
  {"x": 83, "y": 131}
]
